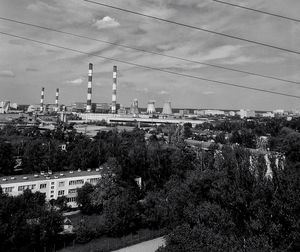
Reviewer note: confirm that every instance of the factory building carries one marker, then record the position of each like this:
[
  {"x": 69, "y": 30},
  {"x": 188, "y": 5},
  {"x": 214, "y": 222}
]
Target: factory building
[{"x": 52, "y": 185}]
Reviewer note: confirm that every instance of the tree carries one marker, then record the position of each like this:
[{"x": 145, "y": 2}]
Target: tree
[
  {"x": 7, "y": 160},
  {"x": 84, "y": 198}
]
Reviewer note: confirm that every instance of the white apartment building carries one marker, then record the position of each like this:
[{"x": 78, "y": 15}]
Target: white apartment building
[{"x": 52, "y": 185}]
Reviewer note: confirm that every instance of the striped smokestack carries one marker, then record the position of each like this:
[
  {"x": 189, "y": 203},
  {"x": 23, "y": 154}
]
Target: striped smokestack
[
  {"x": 89, "y": 94},
  {"x": 56, "y": 98},
  {"x": 42, "y": 99},
  {"x": 114, "y": 91}
]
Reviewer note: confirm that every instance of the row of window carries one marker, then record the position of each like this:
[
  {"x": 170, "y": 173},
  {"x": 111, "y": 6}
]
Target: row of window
[
  {"x": 22, "y": 188},
  {"x": 7, "y": 189},
  {"x": 72, "y": 191},
  {"x": 76, "y": 182},
  {"x": 93, "y": 180},
  {"x": 72, "y": 199}
]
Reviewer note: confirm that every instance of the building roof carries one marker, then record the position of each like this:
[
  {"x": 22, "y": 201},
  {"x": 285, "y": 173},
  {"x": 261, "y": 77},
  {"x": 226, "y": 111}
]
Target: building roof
[{"x": 46, "y": 176}]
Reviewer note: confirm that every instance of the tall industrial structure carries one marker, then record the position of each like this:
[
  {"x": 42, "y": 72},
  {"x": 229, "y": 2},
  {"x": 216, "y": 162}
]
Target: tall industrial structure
[
  {"x": 167, "y": 109},
  {"x": 56, "y": 99},
  {"x": 114, "y": 91},
  {"x": 42, "y": 100},
  {"x": 134, "y": 108},
  {"x": 151, "y": 107},
  {"x": 89, "y": 93}
]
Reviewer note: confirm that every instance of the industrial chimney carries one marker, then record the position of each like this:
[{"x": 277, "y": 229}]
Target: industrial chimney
[
  {"x": 56, "y": 99},
  {"x": 114, "y": 91},
  {"x": 42, "y": 99},
  {"x": 89, "y": 94}
]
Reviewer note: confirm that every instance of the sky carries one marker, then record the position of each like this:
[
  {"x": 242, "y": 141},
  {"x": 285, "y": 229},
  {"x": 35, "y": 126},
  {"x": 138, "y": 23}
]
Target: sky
[{"x": 25, "y": 66}]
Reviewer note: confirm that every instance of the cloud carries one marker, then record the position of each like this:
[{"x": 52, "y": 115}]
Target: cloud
[
  {"x": 106, "y": 22},
  {"x": 30, "y": 69},
  {"x": 76, "y": 82},
  {"x": 222, "y": 52},
  {"x": 143, "y": 90},
  {"x": 41, "y": 6},
  {"x": 208, "y": 92},
  {"x": 7, "y": 74},
  {"x": 163, "y": 92}
]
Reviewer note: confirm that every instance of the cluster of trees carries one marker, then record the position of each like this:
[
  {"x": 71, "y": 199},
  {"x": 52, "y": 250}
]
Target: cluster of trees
[
  {"x": 209, "y": 201},
  {"x": 214, "y": 200},
  {"x": 27, "y": 223}
]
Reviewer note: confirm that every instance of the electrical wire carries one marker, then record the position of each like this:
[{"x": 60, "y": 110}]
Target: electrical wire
[
  {"x": 153, "y": 68},
  {"x": 150, "y": 52},
  {"x": 256, "y": 10},
  {"x": 196, "y": 28}
]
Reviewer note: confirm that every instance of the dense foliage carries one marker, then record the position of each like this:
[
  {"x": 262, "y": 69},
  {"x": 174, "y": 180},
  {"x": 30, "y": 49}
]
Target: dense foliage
[
  {"x": 224, "y": 197},
  {"x": 27, "y": 223}
]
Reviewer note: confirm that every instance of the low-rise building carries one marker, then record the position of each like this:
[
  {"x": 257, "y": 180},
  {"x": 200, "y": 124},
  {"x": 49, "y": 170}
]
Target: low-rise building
[{"x": 52, "y": 185}]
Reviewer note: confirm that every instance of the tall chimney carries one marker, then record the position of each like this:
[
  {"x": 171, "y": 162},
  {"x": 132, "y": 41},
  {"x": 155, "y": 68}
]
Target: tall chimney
[
  {"x": 114, "y": 91},
  {"x": 56, "y": 99},
  {"x": 89, "y": 94},
  {"x": 42, "y": 99}
]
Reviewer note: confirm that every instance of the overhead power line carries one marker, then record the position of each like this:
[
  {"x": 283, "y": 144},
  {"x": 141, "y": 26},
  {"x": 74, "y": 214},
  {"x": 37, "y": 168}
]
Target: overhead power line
[
  {"x": 150, "y": 52},
  {"x": 153, "y": 68},
  {"x": 259, "y": 11},
  {"x": 196, "y": 28}
]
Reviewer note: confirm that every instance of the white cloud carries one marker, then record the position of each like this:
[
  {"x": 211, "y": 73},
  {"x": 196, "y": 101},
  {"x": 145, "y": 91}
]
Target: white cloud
[
  {"x": 76, "y": 82},
  {"x": 41, "y": 6},
  {"x": 7, "y": 73},
  {"x": 163, "y": 92},
  {"x": 106, "y": 22},
  {"x": 222, "y": 52},
  {"x": 208, "y": 92}
]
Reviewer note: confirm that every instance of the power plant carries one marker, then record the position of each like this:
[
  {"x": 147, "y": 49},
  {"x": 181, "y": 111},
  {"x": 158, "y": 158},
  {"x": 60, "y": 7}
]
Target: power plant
[
  {"x": 89, "y": 94},
  {"x": 112, "y": 107}
]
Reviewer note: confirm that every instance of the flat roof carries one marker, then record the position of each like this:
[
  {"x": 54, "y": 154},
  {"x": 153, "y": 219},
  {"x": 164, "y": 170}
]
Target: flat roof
[{"x": 39, "y": 177}]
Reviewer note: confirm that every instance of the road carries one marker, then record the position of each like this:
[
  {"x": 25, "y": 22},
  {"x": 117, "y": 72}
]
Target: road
[{"x": 148, "y": 246}]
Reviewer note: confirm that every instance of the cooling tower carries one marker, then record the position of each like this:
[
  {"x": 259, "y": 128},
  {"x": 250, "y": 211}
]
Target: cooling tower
[
  {"x": 151, "y": 107},
  {"x": 167, "y": 109},
  {"x": 114, "y": 91},
  {"x": 89, "y": 94}
]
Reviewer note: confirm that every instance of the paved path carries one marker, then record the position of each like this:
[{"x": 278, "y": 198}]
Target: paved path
[{"x": 148, "y": 246}]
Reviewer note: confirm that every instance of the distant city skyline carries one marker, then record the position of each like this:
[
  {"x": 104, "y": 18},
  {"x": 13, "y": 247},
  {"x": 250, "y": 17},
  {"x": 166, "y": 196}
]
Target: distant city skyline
[{"x": 26, "y": 67}]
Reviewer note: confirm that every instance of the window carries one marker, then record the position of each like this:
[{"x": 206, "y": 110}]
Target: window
[
  {"x": 61, "y": 184},
  {"x": 8, "y": 189},
  {"x": 52, "y": 183},
  {"x": 52, "y": 187},
  {"x": 61, "y": 192},
  {"x": 72, "y": 199},
  {"x": 72, "y": 191},
  {"x": 22, "y": 188},
  {"x": 94, "y": 180},
  {"x": 52, "y": 192},
  {"x": 76, "y": 182},
  {"x": 42, "y": 186}
]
